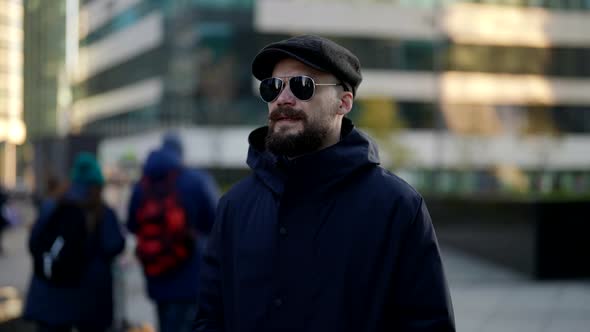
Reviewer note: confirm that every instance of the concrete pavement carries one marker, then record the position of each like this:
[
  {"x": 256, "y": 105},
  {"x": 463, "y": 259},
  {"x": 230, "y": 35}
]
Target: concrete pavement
[
  {"x": 486, "y": 297},
  {"x": 490, "y": 298},
  {"x": 15, "y": 271}
]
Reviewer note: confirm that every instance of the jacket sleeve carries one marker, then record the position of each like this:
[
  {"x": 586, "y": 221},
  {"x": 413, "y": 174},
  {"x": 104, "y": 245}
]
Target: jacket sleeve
[
  {"x": 112, "y": 239},
  {"x": 209, "y": 316},
  {"x": 131, "y": 210},
  {"x": 207, "y": 197},
  {"x": 420, "y": 294},
  {"x": 46, "y": 208}
]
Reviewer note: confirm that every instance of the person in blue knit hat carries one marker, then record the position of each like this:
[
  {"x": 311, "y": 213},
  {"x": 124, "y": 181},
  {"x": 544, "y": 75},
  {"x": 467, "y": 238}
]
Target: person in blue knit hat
[{"x": 86, "y": 304}]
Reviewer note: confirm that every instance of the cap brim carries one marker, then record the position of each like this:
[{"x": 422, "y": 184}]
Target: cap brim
[{"x": 264, "y": 63}]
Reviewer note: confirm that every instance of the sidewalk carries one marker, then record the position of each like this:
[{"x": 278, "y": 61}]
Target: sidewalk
[
  {"x": 486, "y": 298},
  {"x": 489, "y": 298},
  {"x": 15, "y": 265}
]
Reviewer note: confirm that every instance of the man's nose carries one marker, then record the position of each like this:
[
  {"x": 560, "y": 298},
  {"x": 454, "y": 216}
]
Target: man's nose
[{"x": 286, "y": 97}]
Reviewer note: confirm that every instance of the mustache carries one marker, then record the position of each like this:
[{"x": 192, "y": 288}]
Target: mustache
[{"x": 286, "y": 112}]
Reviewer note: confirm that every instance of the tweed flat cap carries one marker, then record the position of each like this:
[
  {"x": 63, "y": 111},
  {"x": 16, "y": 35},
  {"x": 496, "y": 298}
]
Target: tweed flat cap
[{"x": 316, "y": 52}]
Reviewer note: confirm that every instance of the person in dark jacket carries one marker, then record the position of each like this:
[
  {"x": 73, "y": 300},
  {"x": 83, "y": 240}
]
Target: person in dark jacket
[
  {"x": 88, "y": 307},
  {"x": 175, "y": 293},
  {"x": 320, "y": 237}
]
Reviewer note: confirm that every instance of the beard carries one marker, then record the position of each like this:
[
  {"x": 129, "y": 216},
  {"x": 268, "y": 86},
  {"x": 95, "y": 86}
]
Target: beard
[{"x": 292, "y": 145}]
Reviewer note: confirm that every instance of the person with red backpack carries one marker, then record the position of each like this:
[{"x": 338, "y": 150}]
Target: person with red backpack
[{"x": 171, "y": 211}]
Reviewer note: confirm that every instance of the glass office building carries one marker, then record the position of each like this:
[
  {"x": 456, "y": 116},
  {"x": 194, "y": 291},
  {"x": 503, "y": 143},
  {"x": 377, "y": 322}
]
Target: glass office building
[
  {"x": 462, "y": 96},
  {"x": 12, "y": 129},
  {"x": 152, "y": 64},
  {"x": 45, "y": 84},
  {"x": 481, "y": 96},
  {"x": 49, "y": 61}
]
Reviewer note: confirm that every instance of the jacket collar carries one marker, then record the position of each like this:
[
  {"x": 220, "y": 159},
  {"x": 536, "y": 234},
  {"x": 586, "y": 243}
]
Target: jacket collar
[{"x": 320, "y": 169}]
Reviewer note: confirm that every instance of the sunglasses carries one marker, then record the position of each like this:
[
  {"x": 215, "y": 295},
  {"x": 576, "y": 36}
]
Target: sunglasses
[{"x": 302, "y": 87}]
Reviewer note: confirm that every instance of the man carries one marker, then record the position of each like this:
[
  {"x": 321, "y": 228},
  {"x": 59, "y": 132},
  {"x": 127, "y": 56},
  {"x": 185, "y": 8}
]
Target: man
[
  {"x": 172, "y": 208},
  {"x": 319, "y": 238}
]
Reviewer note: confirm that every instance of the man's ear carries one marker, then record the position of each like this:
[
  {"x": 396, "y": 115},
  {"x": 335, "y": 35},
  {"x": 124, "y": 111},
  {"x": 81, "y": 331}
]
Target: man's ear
[{"x": 346, "y": 100}]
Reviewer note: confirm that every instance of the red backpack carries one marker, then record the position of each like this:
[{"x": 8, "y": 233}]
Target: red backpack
[{"x": 164, "y": 238}]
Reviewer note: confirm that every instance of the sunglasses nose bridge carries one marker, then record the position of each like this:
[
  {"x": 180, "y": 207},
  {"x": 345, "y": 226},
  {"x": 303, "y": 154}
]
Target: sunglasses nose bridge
[{"x": 285, "y": 93}]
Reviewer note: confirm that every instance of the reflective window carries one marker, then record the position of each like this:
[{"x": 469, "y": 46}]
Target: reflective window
[
  {"x": 122, "y": 21},
  {"x": 386, "y": 54},
  {"x": 571, "y": 119},
  {"x": 550, "y": 4},
  {"x": 128, "y": 123},
  {"x": 145, "y": 66},
  {"x": 568, "y": 62},
  {"x": 224, "y": 3}
]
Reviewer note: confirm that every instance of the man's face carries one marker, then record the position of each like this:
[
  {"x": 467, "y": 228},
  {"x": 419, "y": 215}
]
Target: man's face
[{"x": 297, "y": 127}]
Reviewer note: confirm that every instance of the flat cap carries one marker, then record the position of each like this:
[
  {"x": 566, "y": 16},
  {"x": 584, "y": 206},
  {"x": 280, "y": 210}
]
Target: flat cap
[{"x": 316, "y": 52}]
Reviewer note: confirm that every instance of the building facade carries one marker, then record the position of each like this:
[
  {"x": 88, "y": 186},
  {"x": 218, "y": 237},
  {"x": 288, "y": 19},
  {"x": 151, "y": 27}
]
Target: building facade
[
  {"x": 12, "y": 129},
  {"x": 489, "y": 95},
  {"x": 463, "y": 96},
  {"x": 49, "y": 59},
  {"x": 149, "y": 64}
]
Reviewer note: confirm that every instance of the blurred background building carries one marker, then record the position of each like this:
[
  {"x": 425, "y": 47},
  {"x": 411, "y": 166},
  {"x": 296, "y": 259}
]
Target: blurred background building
[
  {"x": 463, "y": 96},
  {"x": 12, "y": 129}
]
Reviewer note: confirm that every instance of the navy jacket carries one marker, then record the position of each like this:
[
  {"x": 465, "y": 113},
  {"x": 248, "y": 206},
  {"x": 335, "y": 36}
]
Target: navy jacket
[
  {"x": 198, "y": 196},
  {"x": 328, "y": 241},
  {"x": 90, "y": 304}
]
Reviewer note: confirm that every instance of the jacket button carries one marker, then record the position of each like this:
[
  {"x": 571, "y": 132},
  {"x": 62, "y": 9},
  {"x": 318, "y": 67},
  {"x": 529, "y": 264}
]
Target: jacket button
[
  {"x": 278, "y": 302},
  {"x": 283, "y": 230}
]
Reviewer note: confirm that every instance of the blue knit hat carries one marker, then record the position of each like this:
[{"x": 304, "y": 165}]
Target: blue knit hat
[
  {"x": 86, "y": 170},
  {"x": 171, "y": 142}
]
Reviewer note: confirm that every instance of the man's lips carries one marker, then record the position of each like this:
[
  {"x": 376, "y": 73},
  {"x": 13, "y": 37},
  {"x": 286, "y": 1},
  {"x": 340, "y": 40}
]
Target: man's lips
[
  {"x": 287, "y": 115},
  {"x": 286, "y": 118}
]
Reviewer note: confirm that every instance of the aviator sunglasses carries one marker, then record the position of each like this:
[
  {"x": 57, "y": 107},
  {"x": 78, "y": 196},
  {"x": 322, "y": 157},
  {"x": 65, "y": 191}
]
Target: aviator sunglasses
[{"x": 302, "y": 87}]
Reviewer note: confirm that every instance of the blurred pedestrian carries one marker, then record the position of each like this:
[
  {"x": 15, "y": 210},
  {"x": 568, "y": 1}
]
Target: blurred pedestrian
[
  {"x": 171, "y": 211},
  {"x": 73, "y": 243},
  {"x": 4, "y": 221},
  {"x": 54, "y": 188},
  {"x": 319, "y": 237}
]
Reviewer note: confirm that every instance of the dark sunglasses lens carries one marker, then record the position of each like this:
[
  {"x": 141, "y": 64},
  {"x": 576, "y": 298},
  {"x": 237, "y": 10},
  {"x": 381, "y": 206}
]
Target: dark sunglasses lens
[
  {"x": 270, "y": 89},
  {"x": 302, "y": 87}
]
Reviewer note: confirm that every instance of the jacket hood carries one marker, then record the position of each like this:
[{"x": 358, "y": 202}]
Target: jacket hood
[
  {"x": 325, "y": 167},
  {"x": 160, "y": 162},
  {"x": 172, "y": 142}
]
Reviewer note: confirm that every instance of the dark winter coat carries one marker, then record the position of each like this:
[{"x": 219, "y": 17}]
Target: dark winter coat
[
  {"x": 328, "y": 241},
  {"x": 198, "y": 196},
  {"x": 91, "y": 303}
]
